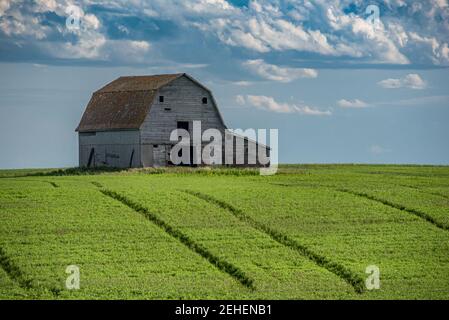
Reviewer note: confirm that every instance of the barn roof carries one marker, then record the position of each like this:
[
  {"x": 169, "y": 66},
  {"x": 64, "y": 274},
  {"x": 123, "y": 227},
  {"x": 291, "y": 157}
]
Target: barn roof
[
  {"x": 139, "y": 83},
  {"x": 123, "y": 103}
]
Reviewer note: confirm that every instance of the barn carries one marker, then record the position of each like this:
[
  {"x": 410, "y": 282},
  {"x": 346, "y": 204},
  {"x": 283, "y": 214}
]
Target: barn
[{"x": 128, "y": 122}]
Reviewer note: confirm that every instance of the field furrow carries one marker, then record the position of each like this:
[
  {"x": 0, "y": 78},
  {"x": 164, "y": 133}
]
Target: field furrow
[
  {"x": 423, "y": 215},
  {"x": 13, "y": 272},
  {"x": 277, "y": 270},
  {"x": 353, "y": 231},
  {"x": 309, "y": 232},
  {"x": 22, "y": 287},
  {"x": 220, "y": 263},
  {"x": 341, "y": 271},
  {"x": 120, "y": 254}
]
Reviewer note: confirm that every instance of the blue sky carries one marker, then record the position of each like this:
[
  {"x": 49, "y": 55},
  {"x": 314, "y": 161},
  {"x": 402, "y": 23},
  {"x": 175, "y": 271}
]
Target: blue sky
[{"x": 340, "y": 83}]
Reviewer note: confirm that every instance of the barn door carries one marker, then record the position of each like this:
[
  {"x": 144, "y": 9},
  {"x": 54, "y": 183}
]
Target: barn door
[{"x": 147, "y": 155}]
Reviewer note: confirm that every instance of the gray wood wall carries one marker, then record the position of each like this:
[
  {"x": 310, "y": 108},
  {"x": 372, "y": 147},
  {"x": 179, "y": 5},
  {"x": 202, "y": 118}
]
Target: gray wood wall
[
  {"x": 112, "y": 148},
  {"x": 184, "y": 99}
]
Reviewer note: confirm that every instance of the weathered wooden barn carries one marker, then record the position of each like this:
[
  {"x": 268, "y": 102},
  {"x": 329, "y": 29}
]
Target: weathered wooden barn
[{"x": 128, "y": 122}]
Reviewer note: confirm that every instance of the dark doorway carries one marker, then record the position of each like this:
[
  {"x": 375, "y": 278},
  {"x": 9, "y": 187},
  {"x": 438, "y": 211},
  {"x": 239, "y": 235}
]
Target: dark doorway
[{"x": 183, "y": 125}]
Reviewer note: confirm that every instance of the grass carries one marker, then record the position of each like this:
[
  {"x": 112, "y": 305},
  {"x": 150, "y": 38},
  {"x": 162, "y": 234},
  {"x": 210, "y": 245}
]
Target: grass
[
  {"x": 221, "y": 264},
  {"x": 308, "y": 232},
  {"x": 285, "y": 240}
]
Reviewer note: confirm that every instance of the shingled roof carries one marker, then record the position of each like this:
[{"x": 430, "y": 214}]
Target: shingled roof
[
  {"x": 123, "y": 103},
  {"x": 140, "y": 83}
]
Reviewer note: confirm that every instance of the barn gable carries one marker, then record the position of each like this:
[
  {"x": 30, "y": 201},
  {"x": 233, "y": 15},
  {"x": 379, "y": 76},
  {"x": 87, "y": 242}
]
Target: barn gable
[
  {"x": 182, "y": 101},
  {"x": 125, "y": 103}
]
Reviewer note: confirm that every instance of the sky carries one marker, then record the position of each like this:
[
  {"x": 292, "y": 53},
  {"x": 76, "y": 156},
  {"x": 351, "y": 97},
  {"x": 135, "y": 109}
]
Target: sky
[{"x": 342, "y": 81}]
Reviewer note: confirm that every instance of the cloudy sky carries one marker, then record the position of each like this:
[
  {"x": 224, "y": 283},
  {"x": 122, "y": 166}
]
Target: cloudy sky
[{"x": 343, "y": 81}]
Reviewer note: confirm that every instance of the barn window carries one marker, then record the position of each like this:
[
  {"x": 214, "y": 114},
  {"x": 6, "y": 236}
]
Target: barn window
[
  {"x": 204, "y": 100},
  {"x": 161, "y": 98},
  {"x": 183, "y": 125},
  {"x": 167, "y": 109},
  {"x": 155, "y": 146}
]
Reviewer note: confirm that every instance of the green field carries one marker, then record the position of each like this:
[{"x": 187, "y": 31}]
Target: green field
[{"x": 308, "y": 232}]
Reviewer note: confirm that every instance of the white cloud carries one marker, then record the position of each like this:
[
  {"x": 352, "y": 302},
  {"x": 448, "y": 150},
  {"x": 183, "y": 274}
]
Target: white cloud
[
  {"x": 440, "y": 100},
  {"x": 18, "y": 24},
  {"x": 240, "y": 99},
  {"x": 209, "y": 6},
  {"x": 85, "y": 48},
  {"x": 324, "y": 28},
  {"x": 411, "y": 81},
  {"x": 270, "y": 104},
  {"x": 4, "y": 5},
  {"x": 98, "y": 47},
  {"x": 265, "y": 34},
  {"x": 264, "y": 27},
  {"x": 181, "y": 10},
  {"x": 276, "y": 73},
  {"x": 86, "y": 42},
  {"x": 126, "y": 50},
  {"x": 377, "y": 150},
  {"x": 191, "y": 65},
  {"x": 140, "y": 45},
  {"x": 417, "y": 101},
  {"x": 356, "y": 103},
  {"x": 311, "y": 111},
  {"x": 39, "y": 65},
  {"x": 415, "y": 32},
  {"x": 367, "y": 40},
  {"x": 91, "y": 21},
  {"x": 123, "y": 29},
  {"x": 242, "y": 83}
]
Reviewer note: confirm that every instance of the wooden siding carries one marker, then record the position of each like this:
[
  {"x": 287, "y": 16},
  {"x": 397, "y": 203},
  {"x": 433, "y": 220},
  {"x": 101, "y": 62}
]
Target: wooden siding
[
  {"x": 111, "y": 148},
  {"x": 184, "y": 99},
  {"x": 160, "y": 155}
]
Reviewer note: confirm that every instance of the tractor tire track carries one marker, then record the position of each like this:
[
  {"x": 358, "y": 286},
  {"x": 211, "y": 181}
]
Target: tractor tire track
[
  {"x": 420, "y": 214},
  {"x": 17, "y": 276},
  {"x": 97, "y": 184},
  {"x": 415, "y": 212},
  {"x": 13, "y": 271},
  {"x": 423, "y": 190},
  {"x": 339, "y": 270},
  {"x": 53, "y": 184},
  {"x": 217, "y": 262},
  {"x": 296, "y": 185}
]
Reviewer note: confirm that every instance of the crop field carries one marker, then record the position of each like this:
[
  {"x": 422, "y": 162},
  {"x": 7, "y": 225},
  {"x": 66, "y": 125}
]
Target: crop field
[{"x": 308, "y": 232}]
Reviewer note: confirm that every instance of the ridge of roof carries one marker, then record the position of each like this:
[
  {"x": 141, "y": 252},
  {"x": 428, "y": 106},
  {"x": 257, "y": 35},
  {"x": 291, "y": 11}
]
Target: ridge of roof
[{"x": 139, "y": 83}]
